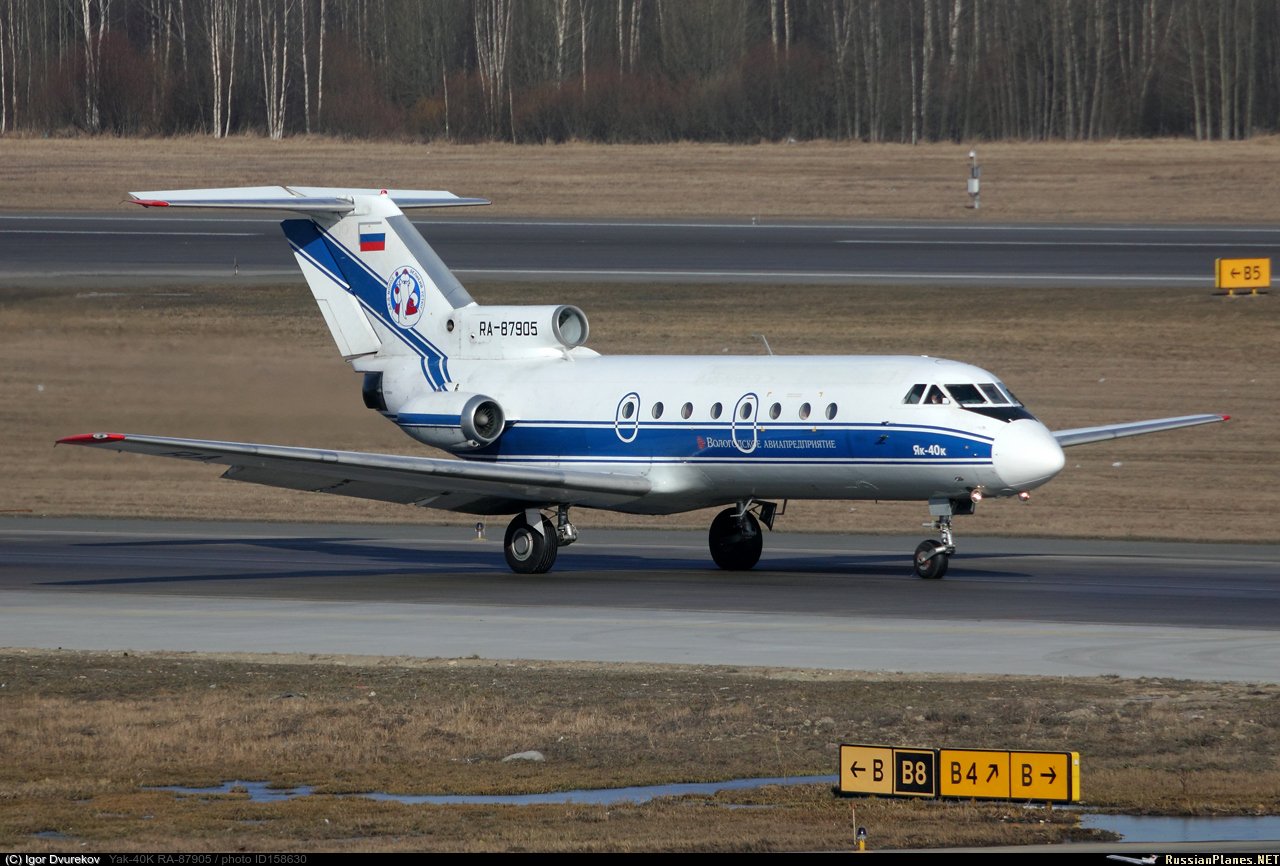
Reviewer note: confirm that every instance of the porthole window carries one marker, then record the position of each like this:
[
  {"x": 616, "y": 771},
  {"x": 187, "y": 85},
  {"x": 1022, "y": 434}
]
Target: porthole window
[
  {"x": 831, "y": 411},
  {"x": 657, "y": 410},
  {"x": 775, "y": 410},
  {"x": 628, "y": 409},
  {"x": 745, "y": 412},
  {"x": 686, "y": 410},
  {"x": 805, "y": 409},
  {"x": 716, "y": 409}
]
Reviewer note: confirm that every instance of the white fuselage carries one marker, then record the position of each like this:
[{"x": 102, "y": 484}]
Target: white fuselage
[{"x": 711, "y": 430}]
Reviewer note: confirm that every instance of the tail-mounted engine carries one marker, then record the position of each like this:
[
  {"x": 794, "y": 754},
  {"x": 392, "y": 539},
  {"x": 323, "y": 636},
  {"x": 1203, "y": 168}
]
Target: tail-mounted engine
[
  {"x": 452, "y": 420},
  {"x": 517, "y": 332}
]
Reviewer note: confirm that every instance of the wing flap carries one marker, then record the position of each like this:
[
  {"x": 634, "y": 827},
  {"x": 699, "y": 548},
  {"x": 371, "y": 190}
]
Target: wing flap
[
  {"x": 452, "y": 485},
  {"x": 1085, "y": 435}
]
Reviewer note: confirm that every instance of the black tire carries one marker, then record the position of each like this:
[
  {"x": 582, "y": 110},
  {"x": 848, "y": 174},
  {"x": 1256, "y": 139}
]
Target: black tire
[
  {"x": 929, "y": 565},
  {"x": 732, "y": 548},
  {"x": 527, "y": 550}
]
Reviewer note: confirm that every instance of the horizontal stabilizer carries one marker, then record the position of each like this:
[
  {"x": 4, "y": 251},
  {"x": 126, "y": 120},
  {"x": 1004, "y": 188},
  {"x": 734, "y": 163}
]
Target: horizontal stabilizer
[
  {"x": 301, "y": 199},
  {"x": 1085, "y": 435},
  {"x": 452, "y": 485}
]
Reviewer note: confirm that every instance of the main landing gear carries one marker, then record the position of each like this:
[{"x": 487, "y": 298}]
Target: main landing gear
[
  {"x": 533, "y": 541},
  {"x": 735, "y": 538},
  {"x": 932, "y": 557}
]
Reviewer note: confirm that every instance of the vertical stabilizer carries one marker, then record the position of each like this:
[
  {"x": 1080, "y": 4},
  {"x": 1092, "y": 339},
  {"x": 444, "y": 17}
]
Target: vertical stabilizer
[{"x": 382, "y": 290}]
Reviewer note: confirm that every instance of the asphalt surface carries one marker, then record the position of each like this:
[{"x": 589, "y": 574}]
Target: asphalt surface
[
  {"x": 1007, "y": 606},
  {"x": 125, "y": 247}
]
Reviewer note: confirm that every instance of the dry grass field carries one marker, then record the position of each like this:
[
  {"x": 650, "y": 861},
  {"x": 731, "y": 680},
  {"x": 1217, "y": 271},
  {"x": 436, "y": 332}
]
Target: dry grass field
[
  {"x": 257, "y": 364},
  {"x": 86, "y": 732},
  {"x": 1139, "y": 180}
]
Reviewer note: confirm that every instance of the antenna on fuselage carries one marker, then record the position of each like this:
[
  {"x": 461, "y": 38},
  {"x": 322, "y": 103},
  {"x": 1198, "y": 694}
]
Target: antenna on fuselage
[{"x": 764, "y": 340}]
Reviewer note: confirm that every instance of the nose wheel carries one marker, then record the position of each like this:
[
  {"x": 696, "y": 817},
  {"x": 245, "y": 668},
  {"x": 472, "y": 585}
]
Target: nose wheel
[{"x": 932, "y": 557}]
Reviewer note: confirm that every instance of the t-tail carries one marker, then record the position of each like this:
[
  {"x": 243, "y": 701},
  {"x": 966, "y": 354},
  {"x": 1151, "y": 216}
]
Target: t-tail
[{"x": 395, "y": 311}]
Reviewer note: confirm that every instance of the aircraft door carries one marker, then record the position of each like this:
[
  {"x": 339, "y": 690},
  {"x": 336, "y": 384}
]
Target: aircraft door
[{"x": 743, "y": 427}]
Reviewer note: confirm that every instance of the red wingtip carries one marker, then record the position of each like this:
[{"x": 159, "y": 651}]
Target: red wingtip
[
  {"x": 149, "y": 202},
  {"x": 1226, "y": 417},
  {"x": 90, "y": 439}
]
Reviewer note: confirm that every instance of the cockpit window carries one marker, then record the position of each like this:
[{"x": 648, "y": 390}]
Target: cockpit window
[
  {"x": 914, "y": 395},
  {"x": 936, "y": 396},
  {"x": 1012, "y": 397},
  {"x": 967, "y": 395},
  {"x": 993, "y": 393}
]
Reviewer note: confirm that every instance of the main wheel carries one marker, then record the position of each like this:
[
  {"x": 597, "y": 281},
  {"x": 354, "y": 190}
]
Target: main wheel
[
  {"x": 735, "y": 546},
  {"x": 529, "y": 551},
  {"x": 930, "y": 565}
]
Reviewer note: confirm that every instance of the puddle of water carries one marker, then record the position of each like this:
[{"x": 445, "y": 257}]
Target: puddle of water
[
  {"x": 1153, "y": 828},
  {"x": 1132, "y": 828},
  {"x": 259, "y": 792}
]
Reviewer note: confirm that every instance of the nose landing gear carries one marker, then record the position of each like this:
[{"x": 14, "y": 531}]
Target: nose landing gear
[{"x": 932, "y": 557}]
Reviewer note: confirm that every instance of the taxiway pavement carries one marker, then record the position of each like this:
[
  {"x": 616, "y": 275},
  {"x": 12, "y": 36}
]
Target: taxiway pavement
[{"x": 1007, "y": 606}]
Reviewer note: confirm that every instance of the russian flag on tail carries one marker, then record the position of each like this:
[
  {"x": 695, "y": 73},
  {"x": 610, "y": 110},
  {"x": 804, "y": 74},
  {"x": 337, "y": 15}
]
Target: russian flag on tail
[{"x": 373, "y": 238}]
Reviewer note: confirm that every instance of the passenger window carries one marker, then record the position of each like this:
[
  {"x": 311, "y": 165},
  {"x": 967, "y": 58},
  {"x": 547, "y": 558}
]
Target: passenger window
[
  {"x": 935, "y": 396},
  {"x": 686, "y": 410},
  {"x": 966, "y": 395},
  {"x": 831, "y": 411},
  {"x": 657, "y": 410},
  {"x": 745, "y": 411},
  {"x": 914, "y": 395},
  {"x": 775, "y": 410},
  {"x": 805, "y": 409},
  {"x": 716, "y": 409},
  {"x": 628, "y": 409}
]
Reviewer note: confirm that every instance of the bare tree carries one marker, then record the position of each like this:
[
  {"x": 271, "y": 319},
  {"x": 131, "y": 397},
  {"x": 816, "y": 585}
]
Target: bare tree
[
  {"x": 95, "y": 18},
  {"x": 492, "y": 41},
  {"x": 273, "y": 45},
  {"x": 222, "y": 27}
]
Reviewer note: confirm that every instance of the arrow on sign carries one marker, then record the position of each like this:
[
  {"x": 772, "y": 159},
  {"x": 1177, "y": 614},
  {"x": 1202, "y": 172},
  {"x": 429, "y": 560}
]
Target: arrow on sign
[
  {"x": 1051, "y": 775},
  {"x": 995, "y": 771},
  {"x": 855, "y": 769},
  {"x": 1235, "y": 272}
]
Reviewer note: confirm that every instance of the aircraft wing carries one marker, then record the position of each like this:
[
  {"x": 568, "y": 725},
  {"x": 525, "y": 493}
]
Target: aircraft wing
[
  {"x": 452, "y": 485},
  {"x": 1085, "y": 435}
]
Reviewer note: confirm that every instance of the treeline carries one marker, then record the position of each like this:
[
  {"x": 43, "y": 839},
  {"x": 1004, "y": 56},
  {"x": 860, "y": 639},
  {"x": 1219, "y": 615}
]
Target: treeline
[{"x": 643, "y": 70}]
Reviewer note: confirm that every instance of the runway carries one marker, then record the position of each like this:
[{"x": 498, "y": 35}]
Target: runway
[
  {"x": 131, "y": 246},
  {"x": 1008, "y": 606}
]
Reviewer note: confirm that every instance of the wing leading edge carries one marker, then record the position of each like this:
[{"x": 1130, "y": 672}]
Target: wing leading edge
[
  {"x": 452, "y": 485},
  {"x": 1085, "y": 435}
]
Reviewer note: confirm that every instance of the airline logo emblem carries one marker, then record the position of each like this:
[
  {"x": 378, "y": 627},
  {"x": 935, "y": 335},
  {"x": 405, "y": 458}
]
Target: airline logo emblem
[
  {"x": 373, "y": 238},
  {"x": 404, "y": 297}
]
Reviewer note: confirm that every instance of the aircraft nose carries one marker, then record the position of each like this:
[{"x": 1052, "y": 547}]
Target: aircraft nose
[{"x": 1025, "y": 455}]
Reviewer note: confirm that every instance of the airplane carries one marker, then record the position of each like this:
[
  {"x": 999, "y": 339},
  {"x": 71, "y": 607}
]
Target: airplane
[{"x": 537, "y": 423}]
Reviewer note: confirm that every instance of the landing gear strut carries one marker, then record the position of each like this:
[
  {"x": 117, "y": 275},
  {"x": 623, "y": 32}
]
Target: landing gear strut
[
  {"x": 532, "y": 542},
  {"x": 735, "y": 538},
  {"x": 932, "y": 557}
]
